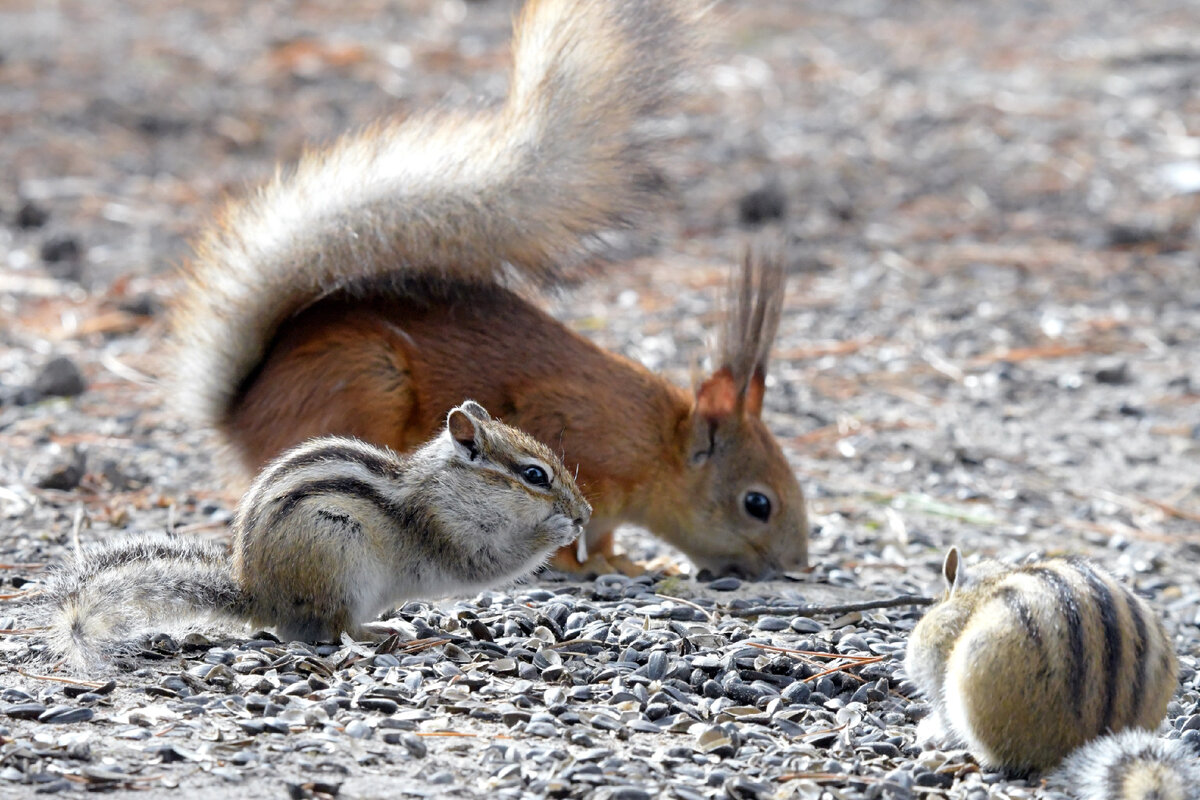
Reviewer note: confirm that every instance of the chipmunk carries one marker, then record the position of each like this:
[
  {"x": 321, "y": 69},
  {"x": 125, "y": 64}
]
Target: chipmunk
[
  {"x": 364, "y": 293},
  {"x": 1131, "y": 765},
  {"x": 330, "y": 534},
  {"x": 1024, "y": 664}
]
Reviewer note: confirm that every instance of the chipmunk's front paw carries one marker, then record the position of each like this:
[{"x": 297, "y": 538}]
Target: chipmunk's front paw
[{"x": 563, "y": 531}]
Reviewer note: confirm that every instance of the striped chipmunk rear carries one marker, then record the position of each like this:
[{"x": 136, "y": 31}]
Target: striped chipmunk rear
[
  {"x": 1131, "y": 765},
  {"x": 1024, "y": 664}
]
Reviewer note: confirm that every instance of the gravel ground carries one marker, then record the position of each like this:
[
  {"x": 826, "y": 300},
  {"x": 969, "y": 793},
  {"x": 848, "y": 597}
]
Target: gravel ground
[{"x": 992, "y": 339}]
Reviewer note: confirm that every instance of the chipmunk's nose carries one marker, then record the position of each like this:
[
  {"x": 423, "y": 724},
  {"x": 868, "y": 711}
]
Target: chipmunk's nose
[{"x": 584, "y": 514}]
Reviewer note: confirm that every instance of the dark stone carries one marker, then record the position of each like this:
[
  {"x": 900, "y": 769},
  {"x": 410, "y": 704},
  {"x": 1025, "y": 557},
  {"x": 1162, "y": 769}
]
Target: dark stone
[
  {"x": 378, "y": 704},
  {"x": 167, "y": 753},
  {"x": 58, "y": 249},
  {"x": 861, "y": 695},
  {"x": 65, "y": 477},
  {"x": 740, "y": 787},
  {"x": 60, "y": 378},
  {"x": 885, "y": 749},
  {"x": 1113, "y": 376},
  {"x": 744, "y": 693},
  {"x": 728, "y": 583},
  {"x": 762, "y": 205},
  {"x": 797, "y": 693},
  {"x": 53, "y": 786},
  {"x": 305, "y": 791},
  {"x": 31, "y": 215},
  {"x": 1127, "y": 410},
  {"x": 24, "y": 710},
  {"x": 64, "y": 715},
  {"x": 1125, "y": 235},
  {"x": 513, "y": 717},
  {"x": 933, "y": 779},
  {"x": 144, "y": 305},
  {"x": 629, "y": 793},
  {"x": 414, "y": 744}
]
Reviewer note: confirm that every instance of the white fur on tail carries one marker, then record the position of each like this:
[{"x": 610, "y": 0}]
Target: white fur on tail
[
  {"x": 457, "y": 195},
  {"x": 100, "y": 603}
]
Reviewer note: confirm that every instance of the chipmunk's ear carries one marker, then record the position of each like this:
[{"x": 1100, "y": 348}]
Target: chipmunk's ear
[
  {"x": 475, "y": 410},
  {"x": 464, "y": 431},
  {"x": 952, "y": 570}
]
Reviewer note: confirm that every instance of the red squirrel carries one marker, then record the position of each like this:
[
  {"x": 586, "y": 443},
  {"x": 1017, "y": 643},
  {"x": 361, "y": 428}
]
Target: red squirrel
[{"x": 366, "y": 292}]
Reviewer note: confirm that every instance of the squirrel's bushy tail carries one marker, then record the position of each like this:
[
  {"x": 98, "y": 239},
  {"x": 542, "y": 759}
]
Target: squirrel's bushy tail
[
  {"x": 466, "y": 196},
  {"x": 99, "y": 603}
]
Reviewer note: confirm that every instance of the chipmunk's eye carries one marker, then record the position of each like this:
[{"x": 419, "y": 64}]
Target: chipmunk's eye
[
  {"x": 757, "y": 505},
  {"x": 534, "y": 475}
]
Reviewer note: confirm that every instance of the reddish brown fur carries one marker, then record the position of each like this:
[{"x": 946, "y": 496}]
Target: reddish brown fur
[
  {"x": 386, "y": 370},
  {"x": 357, "y": 294}
]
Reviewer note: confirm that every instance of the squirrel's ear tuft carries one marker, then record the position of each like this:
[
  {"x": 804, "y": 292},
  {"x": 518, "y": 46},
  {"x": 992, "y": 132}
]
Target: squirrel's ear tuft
[
  {"x": 717, "y": 397},
  {"x": 475, "y": 410},
  {"x": 755, "y": 301},
  {"x": 952, "y": 569},
  {"x": 464, "y": 432}
]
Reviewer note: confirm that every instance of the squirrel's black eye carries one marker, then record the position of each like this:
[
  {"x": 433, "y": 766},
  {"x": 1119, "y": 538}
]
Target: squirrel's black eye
[
  {"x": 535, "y": 475},
  {"x": 758, "y": 505}
]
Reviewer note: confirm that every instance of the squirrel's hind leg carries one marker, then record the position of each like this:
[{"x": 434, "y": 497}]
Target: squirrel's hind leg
[{"x": 327, "y": 375}]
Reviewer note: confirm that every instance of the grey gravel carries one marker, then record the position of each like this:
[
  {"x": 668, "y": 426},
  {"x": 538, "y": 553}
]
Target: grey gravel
[{"x": 991, "y": 340}]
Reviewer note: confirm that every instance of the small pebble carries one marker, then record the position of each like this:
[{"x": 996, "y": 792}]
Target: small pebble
[
  {"x": 772, "y": 623},
  {"x": 64, "y": 715},
  {"x": 761, "y": 205},
  {"x": 357, "y": 729},
  {"x": 60, "y": 248},
  {"x": 727, "y": 583},
  {"x": 24, "y": 710},
  {"x": 31, "y": 215}
]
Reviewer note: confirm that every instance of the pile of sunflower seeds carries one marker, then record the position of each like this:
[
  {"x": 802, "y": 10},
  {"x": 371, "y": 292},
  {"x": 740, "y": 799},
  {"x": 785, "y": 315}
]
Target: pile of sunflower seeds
[{"x": 613, "y": 688}]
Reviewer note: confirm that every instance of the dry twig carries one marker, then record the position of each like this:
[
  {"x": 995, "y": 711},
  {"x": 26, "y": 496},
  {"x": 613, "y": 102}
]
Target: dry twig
[
  {"x": 811, "y": 610},
  {"x": 707, "y": 614},
  {"x": 844, "y": 667},
  {"x": 811, "y": 653},
  {"x": 68, "y": 681}
]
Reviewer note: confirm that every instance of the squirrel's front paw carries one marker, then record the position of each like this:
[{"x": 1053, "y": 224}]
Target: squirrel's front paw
[{"x": 597, "y": 563}]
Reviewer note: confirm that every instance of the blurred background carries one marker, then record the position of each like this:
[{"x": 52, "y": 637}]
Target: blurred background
[{"x": 993, "y": 328}]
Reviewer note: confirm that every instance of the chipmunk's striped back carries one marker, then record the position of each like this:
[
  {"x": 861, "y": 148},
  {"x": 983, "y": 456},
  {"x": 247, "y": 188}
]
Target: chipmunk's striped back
[
  {"x": 371, "y": 477},
  {"x": 1028, "y": 663},
  {"x": 1132, "y": 765},
  {"x": 335, "y": 530}
]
